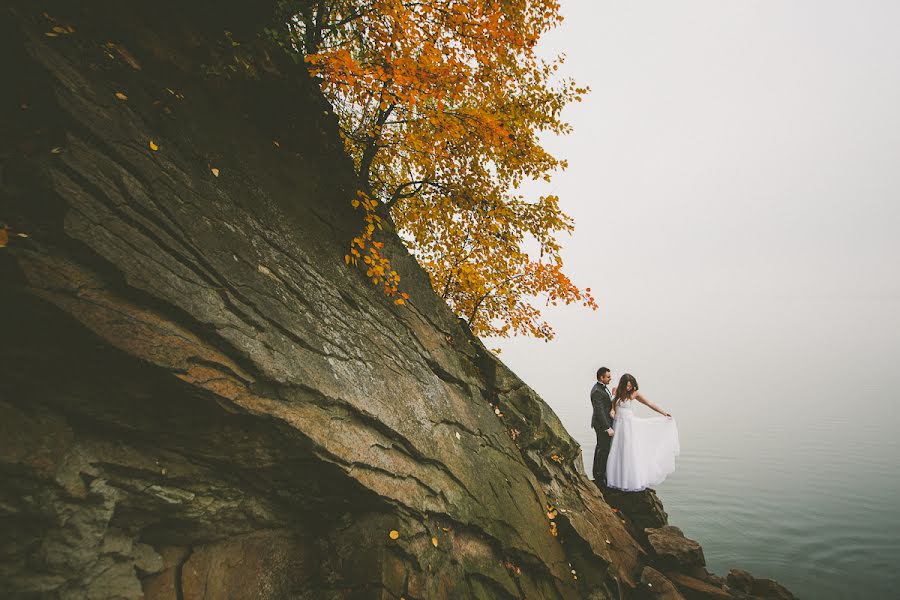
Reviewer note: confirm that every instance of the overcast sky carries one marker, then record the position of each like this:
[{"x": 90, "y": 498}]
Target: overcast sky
[{"x": 735, "y": 179}]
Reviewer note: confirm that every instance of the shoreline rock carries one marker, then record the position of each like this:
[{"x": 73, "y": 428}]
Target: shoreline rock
[{"x": 676, "y": 567}]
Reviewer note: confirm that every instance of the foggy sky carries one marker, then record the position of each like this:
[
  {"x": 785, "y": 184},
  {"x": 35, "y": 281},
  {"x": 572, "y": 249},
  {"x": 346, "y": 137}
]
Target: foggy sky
[{"x": 734, "y": 176}]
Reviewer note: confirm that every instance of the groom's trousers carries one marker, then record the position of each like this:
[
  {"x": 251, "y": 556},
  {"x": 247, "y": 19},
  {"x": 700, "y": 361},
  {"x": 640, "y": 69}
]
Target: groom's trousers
[{"x": 601, "y": 453}]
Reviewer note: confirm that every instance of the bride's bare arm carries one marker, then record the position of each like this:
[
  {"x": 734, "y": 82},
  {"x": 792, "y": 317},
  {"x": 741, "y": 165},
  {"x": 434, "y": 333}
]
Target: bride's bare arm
[{"x": 640, "y": 398}]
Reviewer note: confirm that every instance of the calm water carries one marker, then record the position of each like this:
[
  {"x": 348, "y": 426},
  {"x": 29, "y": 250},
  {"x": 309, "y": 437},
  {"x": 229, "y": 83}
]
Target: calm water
[
  {"x": 785, "y": 471},
  {"x": 787, "y": 414},
  {"x": 823, "y": 520},
  {"x": 734, "y": 178},
  {"x": 814, "y": 504}
]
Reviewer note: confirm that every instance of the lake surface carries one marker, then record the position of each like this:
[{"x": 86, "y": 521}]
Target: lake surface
[
  {"x": 733, "y": 177},
  {"x": 798, "y": 482},
  {"x": 821, "y": 517}
]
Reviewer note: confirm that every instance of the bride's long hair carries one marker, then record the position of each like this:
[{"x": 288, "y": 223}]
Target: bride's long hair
[{"x": 621, "y": 393}]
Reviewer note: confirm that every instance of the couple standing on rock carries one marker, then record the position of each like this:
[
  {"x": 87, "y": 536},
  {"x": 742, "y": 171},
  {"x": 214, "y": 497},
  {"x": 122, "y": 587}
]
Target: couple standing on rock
[{"x": 632, "y": 453}]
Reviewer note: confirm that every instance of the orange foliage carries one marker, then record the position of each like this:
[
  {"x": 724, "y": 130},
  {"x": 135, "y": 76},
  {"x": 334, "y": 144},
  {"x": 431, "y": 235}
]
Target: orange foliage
[{"x": 440, "y": 104}]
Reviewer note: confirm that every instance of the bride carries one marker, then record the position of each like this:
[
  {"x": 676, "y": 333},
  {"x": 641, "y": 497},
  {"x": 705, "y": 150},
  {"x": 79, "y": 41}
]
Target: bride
[{"x": 643, "y": 450}]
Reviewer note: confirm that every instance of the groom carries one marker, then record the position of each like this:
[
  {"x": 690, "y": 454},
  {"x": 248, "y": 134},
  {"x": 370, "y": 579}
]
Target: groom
[{"x": 601, "y": 400}]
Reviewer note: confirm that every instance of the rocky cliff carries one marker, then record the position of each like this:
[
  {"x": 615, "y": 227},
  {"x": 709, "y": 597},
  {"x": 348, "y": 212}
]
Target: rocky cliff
[{"x": 199, "y": 399}]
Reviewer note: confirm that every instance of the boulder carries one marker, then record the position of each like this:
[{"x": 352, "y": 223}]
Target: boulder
[
  {"x": 740, "y": 580},
  {"x": 674, "y": 551},
  {"x": 655, "y": 585},
  {"x": 757, "y": 587},
  {"x": 696, "y": 589},
  {"x": 642, "y": 509}
]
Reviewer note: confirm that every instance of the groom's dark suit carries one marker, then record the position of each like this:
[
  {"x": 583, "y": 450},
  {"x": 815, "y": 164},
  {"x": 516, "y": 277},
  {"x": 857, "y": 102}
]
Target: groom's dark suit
[{"x": 600, "y": 422}]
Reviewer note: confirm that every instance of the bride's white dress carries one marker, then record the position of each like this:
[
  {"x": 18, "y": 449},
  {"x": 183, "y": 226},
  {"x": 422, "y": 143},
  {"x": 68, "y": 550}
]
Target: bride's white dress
[{"x": 643, "y": 451}]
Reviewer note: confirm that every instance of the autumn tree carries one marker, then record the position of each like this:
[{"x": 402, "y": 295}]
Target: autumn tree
[{"x": 441, "y": 104}]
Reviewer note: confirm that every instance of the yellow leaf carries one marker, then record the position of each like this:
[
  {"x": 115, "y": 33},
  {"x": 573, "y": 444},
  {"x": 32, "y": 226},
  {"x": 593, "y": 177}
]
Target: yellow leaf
[
  {"x": 434, "y": 542},
  {"x": 394, "y": 534},
  {"x": 153, "y": 146},
  {"x": 215, "y": 171},
  {"x": 399, "y": 301},
  {"x": 121, "y": 96}
]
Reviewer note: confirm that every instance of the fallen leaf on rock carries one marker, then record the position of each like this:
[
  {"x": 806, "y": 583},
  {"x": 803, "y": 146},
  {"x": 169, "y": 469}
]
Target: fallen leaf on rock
[
  {"x": 215, "y": 171},
  {"x": 153, "y": 146},
  {"x": 125, "y": 55},
  {"x": 56, "y": 150},
  {"x": 121, "y": 96},
  {"x": 434, "y": 542},
  {"x": 394, "y": 534}
]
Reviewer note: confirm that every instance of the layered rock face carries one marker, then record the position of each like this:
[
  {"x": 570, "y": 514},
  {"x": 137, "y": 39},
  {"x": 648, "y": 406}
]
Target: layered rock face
[{"x": 198, "y": 398}]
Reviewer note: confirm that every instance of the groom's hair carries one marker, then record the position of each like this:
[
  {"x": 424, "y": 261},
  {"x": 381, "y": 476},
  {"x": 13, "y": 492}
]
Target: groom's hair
[{"x": 601, "y": 372}]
